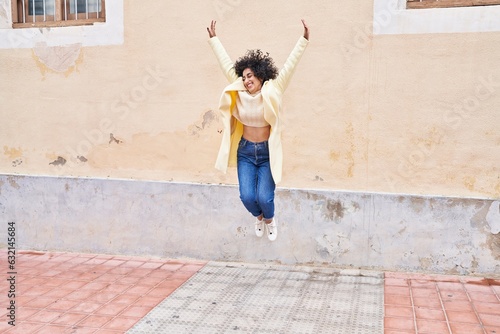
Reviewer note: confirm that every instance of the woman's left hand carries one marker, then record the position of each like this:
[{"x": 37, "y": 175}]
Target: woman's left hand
[
  {"x": 211, "y": 29},
  {"x": 306, "y": 30}
]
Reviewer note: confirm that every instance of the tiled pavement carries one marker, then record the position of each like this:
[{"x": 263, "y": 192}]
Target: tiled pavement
[
  {"x": 417, "y": 303},
  {"x": 95, "y": 293},
  {"x": 87, "y": 293},
  {"x": 245, "y": 298}
]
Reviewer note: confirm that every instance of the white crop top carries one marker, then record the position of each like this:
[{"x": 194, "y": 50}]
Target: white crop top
[{"x": 250, "y": 109}]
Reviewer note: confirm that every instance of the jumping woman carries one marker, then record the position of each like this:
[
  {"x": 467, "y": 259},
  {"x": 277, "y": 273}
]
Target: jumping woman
[{"x": 251, "y": 116}]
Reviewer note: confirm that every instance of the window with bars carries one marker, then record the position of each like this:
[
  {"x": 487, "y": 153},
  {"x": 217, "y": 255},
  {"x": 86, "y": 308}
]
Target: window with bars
[
  {"x": 416, "y": 4},
  {"x": 57, "y": 13}
]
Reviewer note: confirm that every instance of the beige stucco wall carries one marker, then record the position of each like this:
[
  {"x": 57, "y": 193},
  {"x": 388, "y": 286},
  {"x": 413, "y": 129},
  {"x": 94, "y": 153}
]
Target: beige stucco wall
[{"x": 374, "y": 113}]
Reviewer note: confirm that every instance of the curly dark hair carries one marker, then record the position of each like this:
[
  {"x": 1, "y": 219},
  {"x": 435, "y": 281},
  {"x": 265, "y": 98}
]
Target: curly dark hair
[{"x": 259, "y": 62}]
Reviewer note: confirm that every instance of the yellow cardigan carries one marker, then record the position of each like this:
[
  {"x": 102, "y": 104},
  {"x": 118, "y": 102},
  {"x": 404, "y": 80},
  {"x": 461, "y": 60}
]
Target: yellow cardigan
[{"x": 272, "y": 92}]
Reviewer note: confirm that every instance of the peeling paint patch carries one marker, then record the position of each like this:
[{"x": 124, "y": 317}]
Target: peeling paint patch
[
  {"x": 208, "y": 118},
  {"x": 60, "y": 161},
  {"x": 493, "y": 217},
  {"x": 331, "y": 250},
  {"x": 323, "y": 247},
  {"x": 60, "y": 59}
]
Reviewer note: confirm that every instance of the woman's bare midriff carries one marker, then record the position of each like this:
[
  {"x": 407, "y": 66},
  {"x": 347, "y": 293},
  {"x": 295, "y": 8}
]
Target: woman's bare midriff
[{"x": 256, "y": 135}]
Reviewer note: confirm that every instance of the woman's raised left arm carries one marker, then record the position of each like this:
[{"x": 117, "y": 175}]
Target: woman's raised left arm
[{"x": 286, "y": 72}]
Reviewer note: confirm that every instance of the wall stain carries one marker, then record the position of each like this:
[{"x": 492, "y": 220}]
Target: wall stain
[
  {"x": 13, "y": 183},
  {"x": 428, "y": 143},
  {"x": 241, "y": 232},
  {"x": 493, "y": 243},
  {"x": 17, "y": 162},
  {"x": 403, "y": 230},
  {"x": 15, "y": 154},
  {"x": 112, "y": 139},
  {"x": 208, "y": 118},
  {"x": 334, "y": 156},
  {"x": 418, "y": 204},
  {"x": 474, "y": 264},
  {"x": 350, "y": 153},
  {"x": 334, "y": 210},
  {"x": 347, "y": 152},
  {"x": 454, "y": 271},
  {"x": 425, "y": 262},
  {"x": 60, "y": 161},
  {"x": 469, "y": 182},
  {"x": 12, "y": 153}
]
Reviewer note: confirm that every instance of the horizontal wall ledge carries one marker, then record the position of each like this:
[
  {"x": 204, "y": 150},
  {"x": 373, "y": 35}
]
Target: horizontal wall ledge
[{"x": 208, "y": 222}]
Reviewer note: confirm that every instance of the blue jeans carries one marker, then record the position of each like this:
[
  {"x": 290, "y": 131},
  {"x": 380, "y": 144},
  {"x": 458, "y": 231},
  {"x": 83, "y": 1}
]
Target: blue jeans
[{"x": 256, "y": 181}]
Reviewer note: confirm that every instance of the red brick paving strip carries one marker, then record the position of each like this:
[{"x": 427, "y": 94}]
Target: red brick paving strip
[
  {"x": 424, "y": 304},
  {"x": 88, "y": 293}
]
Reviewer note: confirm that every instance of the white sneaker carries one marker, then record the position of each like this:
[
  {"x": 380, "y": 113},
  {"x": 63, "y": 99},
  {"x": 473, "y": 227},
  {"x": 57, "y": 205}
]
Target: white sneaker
[
  {"x": 272, "y": 230},
  {"x": 259, "y": 227}
]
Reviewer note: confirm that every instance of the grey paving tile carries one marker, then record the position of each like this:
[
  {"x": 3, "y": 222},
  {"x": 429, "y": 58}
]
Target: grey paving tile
[{"x": 251, "y": 298}]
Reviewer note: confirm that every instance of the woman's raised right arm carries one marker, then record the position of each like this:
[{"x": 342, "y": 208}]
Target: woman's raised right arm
[{"x": 225, "y": 62}]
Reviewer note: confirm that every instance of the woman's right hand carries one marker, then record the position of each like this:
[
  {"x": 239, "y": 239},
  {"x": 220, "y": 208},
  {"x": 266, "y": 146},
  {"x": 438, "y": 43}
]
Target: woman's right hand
[
  {"x": 306, "y": 30},
  {"x": 211, "y": 29}
]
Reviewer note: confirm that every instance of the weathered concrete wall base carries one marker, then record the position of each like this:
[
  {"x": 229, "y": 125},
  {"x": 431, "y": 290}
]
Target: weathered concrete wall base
[{"x": 371, "y": 231}]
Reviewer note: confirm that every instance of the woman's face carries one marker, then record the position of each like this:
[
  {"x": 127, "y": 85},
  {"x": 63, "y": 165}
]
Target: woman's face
[{"x": 251, "y": 82}]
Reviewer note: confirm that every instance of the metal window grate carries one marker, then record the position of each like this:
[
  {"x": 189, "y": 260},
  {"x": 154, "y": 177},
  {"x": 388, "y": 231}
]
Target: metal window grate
[
  {"x": 59, "y": 10},
  {"x": 416, "y": 4}
]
